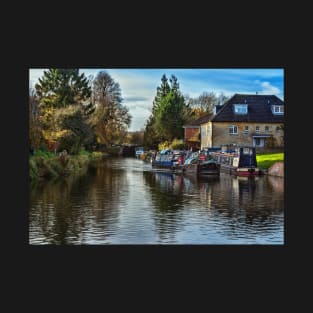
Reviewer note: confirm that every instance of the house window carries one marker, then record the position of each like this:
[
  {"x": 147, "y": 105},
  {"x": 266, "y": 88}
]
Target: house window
[
  {"x": 233, "y": 129},
  {"x": 257, "y": 129},
  {"x": 208, "y": 130},
  {"x": 277, "y": 128},
  {"x": 241, "y": 108},
  {"x": 246, "y": 129},
  {"x": 278, "y": 109},
  {"x": 267, "y": 128}
]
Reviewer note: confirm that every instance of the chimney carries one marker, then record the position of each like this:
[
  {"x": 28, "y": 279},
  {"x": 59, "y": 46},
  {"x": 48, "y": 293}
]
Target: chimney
[{"x": 256, "y": 92}]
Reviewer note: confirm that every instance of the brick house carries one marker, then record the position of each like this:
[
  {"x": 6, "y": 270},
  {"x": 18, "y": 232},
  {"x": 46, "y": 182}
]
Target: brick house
[
  {"x": 192, "y": 132},
  {"x": 245, "y": 119}
]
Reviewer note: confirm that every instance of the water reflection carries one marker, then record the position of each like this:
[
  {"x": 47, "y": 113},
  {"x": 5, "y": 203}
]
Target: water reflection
[
  {"x": 124, "y": 201},
  {"x": 76, "y": 207}
]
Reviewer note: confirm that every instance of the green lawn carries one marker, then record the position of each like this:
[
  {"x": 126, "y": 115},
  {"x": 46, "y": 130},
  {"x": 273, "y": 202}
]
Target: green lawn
[{"x": 266, "y": 160}]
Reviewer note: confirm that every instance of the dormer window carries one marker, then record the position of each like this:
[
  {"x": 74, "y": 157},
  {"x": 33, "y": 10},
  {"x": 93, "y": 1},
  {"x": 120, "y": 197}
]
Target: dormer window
[
  {"x": 278, "y": 109},
  {"x": 241, "y": 108}
]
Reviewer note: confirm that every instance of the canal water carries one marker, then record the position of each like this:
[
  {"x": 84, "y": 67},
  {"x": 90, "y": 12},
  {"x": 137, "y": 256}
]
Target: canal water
[{"x": 125, "y": 201}]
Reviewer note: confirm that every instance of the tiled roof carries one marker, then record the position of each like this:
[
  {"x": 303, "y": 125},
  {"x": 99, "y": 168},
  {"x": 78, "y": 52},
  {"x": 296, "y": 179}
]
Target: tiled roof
[
  {"x": 201, "y": 120},
  {"x": 259, "y": 109}
]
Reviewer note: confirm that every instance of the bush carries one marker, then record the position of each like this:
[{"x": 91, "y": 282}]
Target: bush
[
  {"x": 178, "y": 145},
  {"x": 96, "y": 155},
  {"x": 44, "y": 154},
  {"x": 164, "y": 145},
  {"x": 70, "y": 143}
]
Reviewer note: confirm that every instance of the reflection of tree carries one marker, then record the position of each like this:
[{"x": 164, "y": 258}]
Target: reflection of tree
[
  {"x": 167, "y": 200},
  {"x": 247, "y": 202},
  {"x": 53, "y": 213},
  {"x": 171, "y": 194},
  {"x": 62, "y": 209}
]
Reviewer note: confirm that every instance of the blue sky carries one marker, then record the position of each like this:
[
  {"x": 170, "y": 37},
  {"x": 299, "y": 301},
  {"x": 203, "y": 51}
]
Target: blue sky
[{"x": 139, "y": 86}]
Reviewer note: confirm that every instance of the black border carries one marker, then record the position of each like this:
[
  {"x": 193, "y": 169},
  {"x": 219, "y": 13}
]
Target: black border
[{"x": 223, "y": 54}]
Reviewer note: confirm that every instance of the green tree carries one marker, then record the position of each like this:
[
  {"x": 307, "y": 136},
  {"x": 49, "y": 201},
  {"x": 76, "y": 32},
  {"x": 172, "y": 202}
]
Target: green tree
[
  {"x": 171, "y": 116},
  {"x": 65, "y": 108},
  {"x": 169, "y": 113},
  {"x": 162, "y": 91},
  {"x": 62, "y": 87},
  {"x": 151, "y": 138},
  {"x": 76, "y": 129}
]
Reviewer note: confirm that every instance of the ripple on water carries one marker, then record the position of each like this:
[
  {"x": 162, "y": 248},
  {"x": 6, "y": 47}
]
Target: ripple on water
[{"x": 124, "y": 201}]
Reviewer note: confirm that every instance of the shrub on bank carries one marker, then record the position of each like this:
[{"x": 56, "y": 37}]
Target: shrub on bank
[
  {"x": 48, "y": 165},
  {"x": 71, "y": 143},
  {"x": 95, "y": 155}
]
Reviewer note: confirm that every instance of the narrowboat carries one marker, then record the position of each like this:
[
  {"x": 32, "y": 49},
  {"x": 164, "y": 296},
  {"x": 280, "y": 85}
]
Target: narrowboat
[
  {"x": 241, "y": 162},
  {"x": 168, "y": 159},
  {"x": 138, "y": 152},
  {"x": 201, "y": 165}
]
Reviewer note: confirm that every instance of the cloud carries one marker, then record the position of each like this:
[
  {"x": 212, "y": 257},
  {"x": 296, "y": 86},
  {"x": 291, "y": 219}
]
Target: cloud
[
  {"x": 139, "y": 86},
  {"x": 268, "y": 88},
  {"x": 139, "y": 118},
  {"x": 135, "y": 99},
  {"x": 34, "y": 75}
]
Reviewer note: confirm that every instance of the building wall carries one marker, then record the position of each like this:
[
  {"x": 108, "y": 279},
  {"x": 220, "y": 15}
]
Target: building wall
[
  {"x": 191, "y": 132},
  {"x": 191, "y": 138},
  {"x": 206, "y": 135},
  {"x": 222, "y": 136}
]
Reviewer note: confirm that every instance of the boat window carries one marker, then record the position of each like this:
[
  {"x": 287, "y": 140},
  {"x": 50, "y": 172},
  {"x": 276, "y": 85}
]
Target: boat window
[{"x": 247, "y": 151}]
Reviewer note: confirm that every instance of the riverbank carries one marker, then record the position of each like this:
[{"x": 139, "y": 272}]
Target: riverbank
[
  {"x": 46, "y": 165},
  {"x": 271, "y": 163},
  {"x": 266, "y": 160}
]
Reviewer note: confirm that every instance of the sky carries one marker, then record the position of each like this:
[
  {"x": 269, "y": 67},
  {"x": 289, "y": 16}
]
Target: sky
[{"x": 139, "y": 86}]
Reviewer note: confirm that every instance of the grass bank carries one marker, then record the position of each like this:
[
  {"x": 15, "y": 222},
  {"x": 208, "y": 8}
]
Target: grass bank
[
  {"x": 45, "y": 164},
  {"x": 266, "y": 160}
]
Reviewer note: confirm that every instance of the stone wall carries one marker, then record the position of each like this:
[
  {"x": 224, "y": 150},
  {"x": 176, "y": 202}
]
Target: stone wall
[
  {"x": 221, "y": 136},
  {"x": 277, "y": 169}
]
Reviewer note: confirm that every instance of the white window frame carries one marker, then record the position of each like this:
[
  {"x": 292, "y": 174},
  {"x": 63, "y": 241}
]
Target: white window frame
[
  {"x": 208, "y": 130},
  {"x": 246, "y": 129},
  {"x": 278, "y": 109},
  {"x": 266, "y": 128},
  {"x": 232, "y": 129},
  {"x": 257, "y": 129},
  {"x": 241, "y": 108}
]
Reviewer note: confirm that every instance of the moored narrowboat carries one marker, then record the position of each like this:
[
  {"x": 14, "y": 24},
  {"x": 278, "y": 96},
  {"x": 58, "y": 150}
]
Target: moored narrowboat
[
  {"x": 201, "y": 165},
  {"x": 242, "y": 162},
  {"x": 168, "y": 159}
]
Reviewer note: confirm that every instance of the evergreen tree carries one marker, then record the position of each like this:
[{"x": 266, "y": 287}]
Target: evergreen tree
[
  {"x": 162, "y": 91},
  {"x": 169, "y": 113},
  {"x": 62, "y": 87}
]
